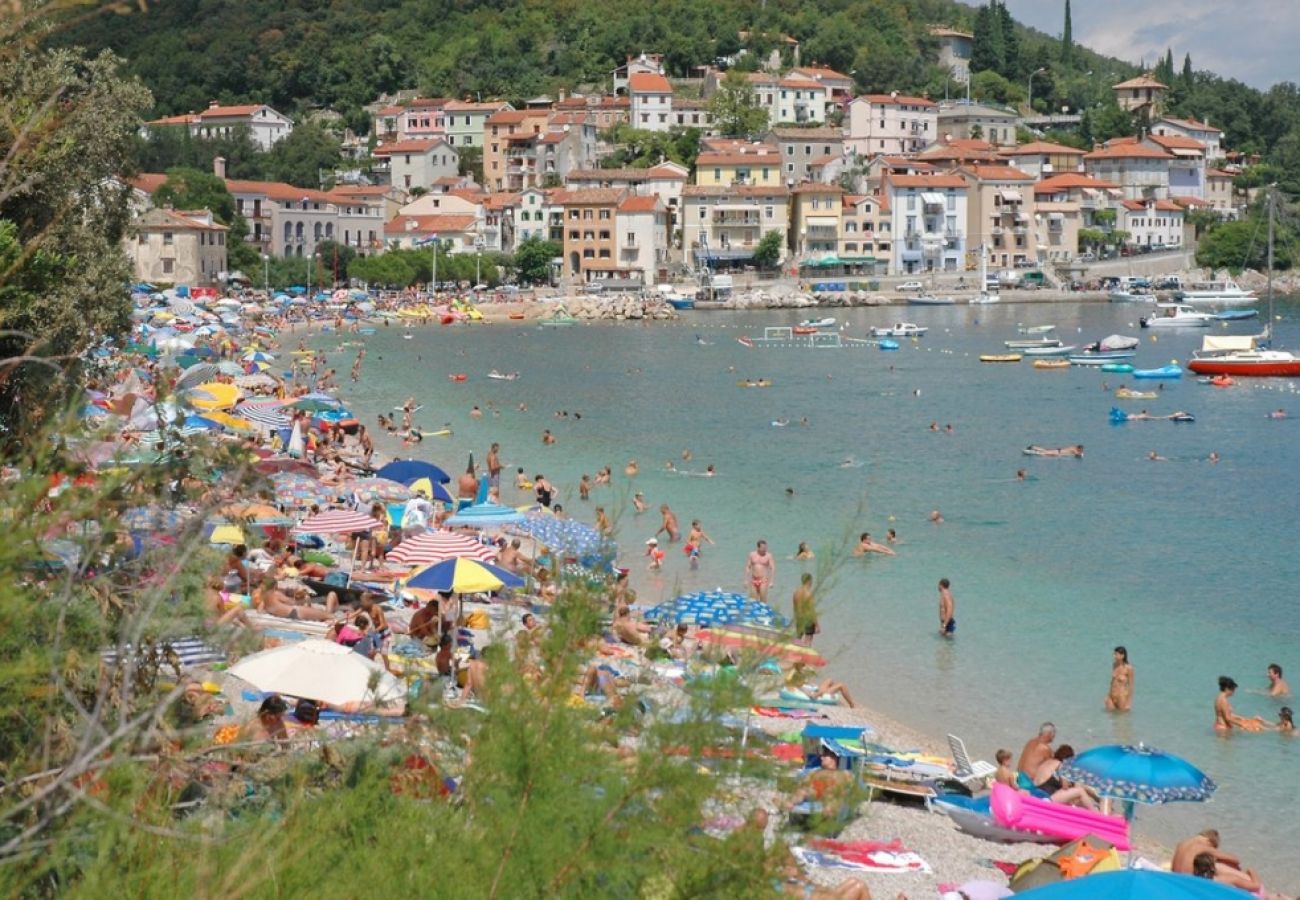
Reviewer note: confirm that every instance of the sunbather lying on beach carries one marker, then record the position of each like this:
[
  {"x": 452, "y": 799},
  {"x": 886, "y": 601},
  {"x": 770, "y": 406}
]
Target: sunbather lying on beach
[
  {"x": 269, "y": 599},
  {"x": 1048, "y": 780},
  {"x": 629, "y": 630}
]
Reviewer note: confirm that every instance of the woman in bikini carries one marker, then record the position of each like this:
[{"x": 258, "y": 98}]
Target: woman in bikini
[
  {"x": 1048, "y": 780},
  {"x": 1120, "y": 697}
]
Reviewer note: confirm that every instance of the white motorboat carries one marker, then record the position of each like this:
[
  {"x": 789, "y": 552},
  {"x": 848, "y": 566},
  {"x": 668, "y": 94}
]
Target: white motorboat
[
  {"x": 1050, "y": 351},
  {"x": 1032, "y": 343},
  {"x": 1035, "y": 329},
  {"x": 1177, "y": 316},
  {"x": 930, "y": 300},
  {"x": 828, "y": 322},
  {"x": 899, "y": 329},
  {"x": 1222, "y": 292}
]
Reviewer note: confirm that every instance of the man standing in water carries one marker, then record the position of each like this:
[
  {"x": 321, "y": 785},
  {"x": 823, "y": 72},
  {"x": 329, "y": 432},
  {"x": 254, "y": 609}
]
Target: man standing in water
[
  {"x": 760, "y": 571},
  {"x": 669, "y": 525},
  {"x": 1277, "y": 686},
  {"x": 805, "y": 611},
  {"x": 947, "y": 609},
  {"x": 494, "y": 466}
]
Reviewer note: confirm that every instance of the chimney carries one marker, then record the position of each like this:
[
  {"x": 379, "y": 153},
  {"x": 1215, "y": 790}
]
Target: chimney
[
  {"x": 219, "y": 167},
  {"x": 213, "y": 104}
]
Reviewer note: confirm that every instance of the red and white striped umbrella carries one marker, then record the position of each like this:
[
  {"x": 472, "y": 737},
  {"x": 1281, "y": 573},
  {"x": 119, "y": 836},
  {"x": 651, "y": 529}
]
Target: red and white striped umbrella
[
  {"x": 436, "y": 546},
  {"x": 338, "y": 521}
]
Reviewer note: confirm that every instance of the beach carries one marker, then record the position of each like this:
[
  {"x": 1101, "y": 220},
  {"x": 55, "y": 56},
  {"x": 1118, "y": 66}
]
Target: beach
[{"x": 878, "y": 634}]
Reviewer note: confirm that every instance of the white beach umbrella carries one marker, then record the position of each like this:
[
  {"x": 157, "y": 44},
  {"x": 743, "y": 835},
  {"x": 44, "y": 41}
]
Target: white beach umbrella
[{"x": 315, "y": 669}]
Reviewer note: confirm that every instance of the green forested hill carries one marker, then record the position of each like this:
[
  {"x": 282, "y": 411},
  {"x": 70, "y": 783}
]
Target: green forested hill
[{"x": 302, "y": 54}]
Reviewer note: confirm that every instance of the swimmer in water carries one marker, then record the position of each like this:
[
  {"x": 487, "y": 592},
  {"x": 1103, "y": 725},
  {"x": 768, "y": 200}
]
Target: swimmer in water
[
  {"x": 1277, "y": 414},
  {"x": 780, "y": 423},
  {"x": 803, "y": 552},
  {"x": 709, "y": 471},
  {"x": 686, "y": 455},
  {"x": 631, "y": 468},
  {"x": 1153, "y": 456},
  {"x": 1214, "y": 457},
  {"x": 670, "y": 466},
  {"x": 936, "y": 517},
  {"x": 1020, "y": 475},
  {"x": 638, "y": 502}
]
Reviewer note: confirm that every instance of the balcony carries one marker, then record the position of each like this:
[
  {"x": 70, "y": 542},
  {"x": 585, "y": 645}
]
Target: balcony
[
  {"x": 1020, "y": 230},
  {"x": 629, "y": 242},
  {"x": 732, "y": 217},
  {"x": 822, "y": 232}
]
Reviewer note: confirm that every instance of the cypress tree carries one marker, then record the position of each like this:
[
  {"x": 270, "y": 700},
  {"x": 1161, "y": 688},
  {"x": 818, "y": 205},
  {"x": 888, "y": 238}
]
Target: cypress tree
[
  {"x": 1011, "y": 67},
  {"x": 1067, "y": 39},
  {"x": 987, "y": 53},
  {"x": 1187, "y": 72}
]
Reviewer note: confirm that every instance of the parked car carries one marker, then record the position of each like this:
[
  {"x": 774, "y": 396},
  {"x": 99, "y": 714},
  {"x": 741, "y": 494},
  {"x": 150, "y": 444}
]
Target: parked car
[
  {"x": 1088, "y": 256},
  {"x": 910, "y": 286}
]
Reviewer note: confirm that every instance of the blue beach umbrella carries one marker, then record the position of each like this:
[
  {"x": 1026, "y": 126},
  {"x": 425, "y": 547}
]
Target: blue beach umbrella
[
  {"x": 567, "y": 537},
  {"x": 463, "y": 576},
  {"x": 1135, "y": 884},
  {"x": 1139, "y": 774},
  {"x": 405, "y": 470},
  {"x": 715, "y": 608}
]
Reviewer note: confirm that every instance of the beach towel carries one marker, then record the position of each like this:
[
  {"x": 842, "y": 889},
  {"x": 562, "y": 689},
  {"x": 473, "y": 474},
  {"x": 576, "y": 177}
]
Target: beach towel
[
  {"x": 862, "y": 856},
  {"x": 772, "y": 712}
]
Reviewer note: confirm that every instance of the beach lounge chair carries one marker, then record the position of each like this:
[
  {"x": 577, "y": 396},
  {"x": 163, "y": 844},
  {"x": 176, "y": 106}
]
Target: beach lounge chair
[{"x": 967, "y": 771}]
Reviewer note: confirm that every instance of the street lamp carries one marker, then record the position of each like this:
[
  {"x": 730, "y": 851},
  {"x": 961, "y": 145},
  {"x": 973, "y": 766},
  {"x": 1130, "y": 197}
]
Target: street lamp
[
  {"x": 266, "y": 273},
  {"x": 1039, "y": 71}
]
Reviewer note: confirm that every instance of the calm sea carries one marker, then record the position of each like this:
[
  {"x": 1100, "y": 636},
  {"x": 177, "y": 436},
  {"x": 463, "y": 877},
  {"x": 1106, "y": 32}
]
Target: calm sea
[{"x": 1191, "y": 565}]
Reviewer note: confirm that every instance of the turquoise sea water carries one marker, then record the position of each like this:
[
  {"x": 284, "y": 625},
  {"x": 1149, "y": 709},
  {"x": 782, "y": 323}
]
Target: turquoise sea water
[{"x": 1189, "y": 564}]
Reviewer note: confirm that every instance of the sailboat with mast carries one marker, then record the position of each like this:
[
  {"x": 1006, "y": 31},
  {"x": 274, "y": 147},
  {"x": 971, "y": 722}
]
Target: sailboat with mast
[
  {"x": 1248, "y": 355},
  {"x": 985, "y": 296}
]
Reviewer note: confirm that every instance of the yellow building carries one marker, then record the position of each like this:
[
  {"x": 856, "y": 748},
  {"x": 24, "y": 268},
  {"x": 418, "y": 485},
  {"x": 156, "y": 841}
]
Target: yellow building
[
  {"x": 818, "y": 210},
  {"x": 724, "y": 163}
]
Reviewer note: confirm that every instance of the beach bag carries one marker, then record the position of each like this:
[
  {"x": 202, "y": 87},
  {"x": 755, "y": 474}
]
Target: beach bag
[
  {"x": 307, "y": 712},
  {"x": 337, "y": 579}
]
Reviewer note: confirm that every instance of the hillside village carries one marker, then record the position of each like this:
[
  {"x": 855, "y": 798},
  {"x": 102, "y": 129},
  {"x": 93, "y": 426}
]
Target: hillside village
[{"x": 850, "y": 184}]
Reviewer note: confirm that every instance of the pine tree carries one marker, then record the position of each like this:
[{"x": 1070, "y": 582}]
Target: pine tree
[
  {"x": 1067, "y": 40},
  {"x": 1164, "y": 71},
  {"x": 1187, "y": 76}
]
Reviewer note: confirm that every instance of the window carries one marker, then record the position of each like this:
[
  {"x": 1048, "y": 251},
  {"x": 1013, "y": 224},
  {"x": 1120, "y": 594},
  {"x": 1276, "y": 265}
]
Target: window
[
  {"x": 604, "y": 253},
  {"x": 952, "y": 225},
  {"x": 573, "y": 235},
  {"x": 768, "y": 212},
  {"x": 717, "y": 174},
  {"x": 704, "y": 213},
  {"x": 589, "y": 253},
  {"x": 789, "y": 151},
  {"x": 789, "y": 167},
  {"x": 952, "y": 202},
  {"x": 168, "y": 239},
  {"x": 142, "y": 238},
  {"x": 169, "y": 265},
  {"x": 911, "y": 202},
  {"x": 604, "y": 214},
  {"x": 604, "y": 234}
]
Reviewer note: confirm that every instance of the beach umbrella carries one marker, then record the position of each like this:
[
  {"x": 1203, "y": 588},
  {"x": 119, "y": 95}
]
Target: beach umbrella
[
  {"x": 436, "y": 546},
  {"x": 263, "y": 415},
  {"x": 297, "y": 446},
  {"x": 767, "y": 644},
  {"x": 378, "y": 490},
  {"x": 715, "y": 608},
  {"x": 566, "y": 537},
  {"x": 156, "y": 436},
  {"x": 315, "y": 404},
  {"x": 1135, "y": 884},
  {"x": 226, "y": 534},
  {"x": 230, "y": 367},
  {"x": 214, "y": 395},
  {"x": 257, "y": 356},
  {"x": 338, "y": 521},
  {"x": 486, "y": 515},
  {"x": 294, "y": 489},
  {"x": 207, "y": 423},
  {"x": 196, "y": 375},
  {"x": 1138, "y": 774},
  {"x": 230, "y": 423},
  {"x": 154, "y": 518},
  {"x": 404, "y": 470},
  {"x": 256, "y": 380},
  {"x": 321, "y": 670},
  {"x": 463, "y": 576},
  {"x": 430, "y": 490}
]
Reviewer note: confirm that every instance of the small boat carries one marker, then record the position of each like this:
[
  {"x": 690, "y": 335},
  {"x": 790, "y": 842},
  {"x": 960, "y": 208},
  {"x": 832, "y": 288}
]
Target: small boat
[
  {"x": 408, "y": 337},
  {"x": 930, "y": 300},
  {"x": 458, "y": 376},
  {"x": 1035, "y": 329},
  {"x": 1130, "y": 394},
  {"x": 899, "y": 329},
  {"x": 1235, "y": 315},
  {"x": 1117, "y": 368},
  {"x": 680, "y": 303},
  {"x": 754, "y": 383},
  {"x": 827, "y": 322},
  {"x": 1170, "y": 371},
  {"x": 1222, "y": 381},
  {"x": 558, "y": 319},
  {"x": 502, "y": 376},
  {"x": 887, "y": 344},
  {"x": 1178, "y": 316},
  {"x": 516, "y": 316},
  {"x": 983, "y": 298},
  {"x": 1100, "y": 358},
  {"x": 1051, "y": 364},
  {"x": 1032, "y": 343},
  {"x": 1122, "y": 296},
  {"x": 1001, "y": 358},
  {"x": 1051, "y": 351},
  {"x": 803, "y": 329}
]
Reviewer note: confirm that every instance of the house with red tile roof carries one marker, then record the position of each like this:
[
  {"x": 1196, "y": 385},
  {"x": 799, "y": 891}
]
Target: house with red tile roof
[
  {"x": 1207, "y": 134},
  {"x": 722, "y": 225},
  {"x": 1140, "y": 169},
  {"x": 264, "y": 125},
  {"x": 893, "y": 124},
  {"x": 417, "y": 162},
  {"x": 499, "y": 130},
  {"x": 652, "y": 101},
  {"x": 800, "y": 147},
  {"x": 642, "y": 237},
  {"x": 1142, "y": 95},
  {"x": 1153, "y": 223},
  {"x": 177, "y": 247},
  {"x": 454, "y": 233},
  {"x": 1043, "y": 159},
  {"x": 1001, "y": 213}
]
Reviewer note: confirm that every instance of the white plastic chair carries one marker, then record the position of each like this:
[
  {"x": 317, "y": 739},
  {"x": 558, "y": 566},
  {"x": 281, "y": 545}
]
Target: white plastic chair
[{"x": 966, "y": 770}]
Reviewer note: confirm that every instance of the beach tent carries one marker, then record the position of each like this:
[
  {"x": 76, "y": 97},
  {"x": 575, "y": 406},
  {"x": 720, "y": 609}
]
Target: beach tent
[
  {"x": 567, "y": 537},
  {"x": 324, "y": 671},
  {"x": 485, "y": 515},
  {"x": 716, "y": 608}
]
